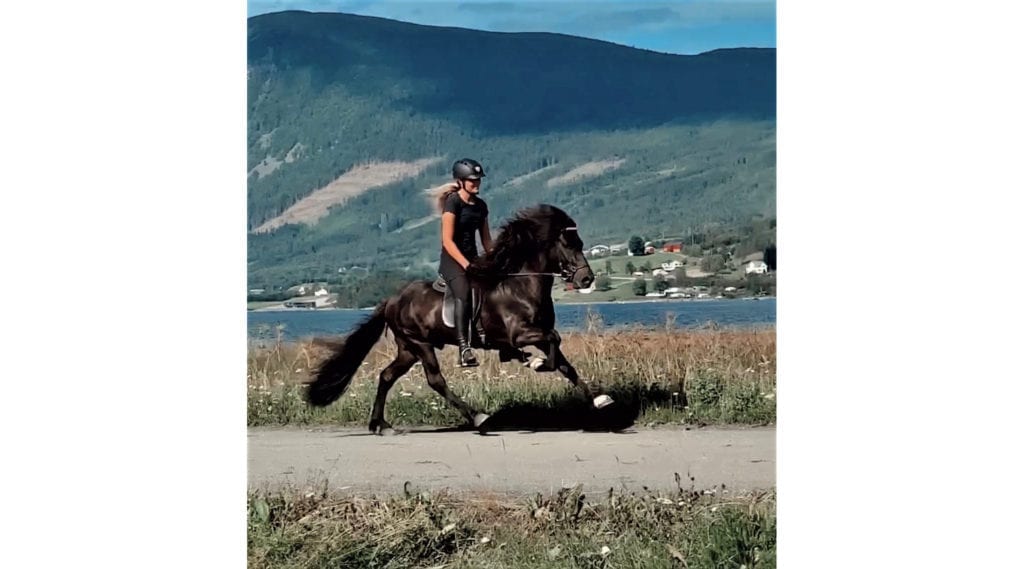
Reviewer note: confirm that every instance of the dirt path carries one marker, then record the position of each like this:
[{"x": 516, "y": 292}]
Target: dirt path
[{"x": 513, "y": 462}]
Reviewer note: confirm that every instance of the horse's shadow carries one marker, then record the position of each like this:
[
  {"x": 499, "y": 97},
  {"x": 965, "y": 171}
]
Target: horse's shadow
[{"x": 572, "y": 412}]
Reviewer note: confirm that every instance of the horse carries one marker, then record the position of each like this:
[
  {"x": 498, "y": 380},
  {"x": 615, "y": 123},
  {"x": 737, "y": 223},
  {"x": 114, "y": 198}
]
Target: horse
[{"x": 514, "y": 281}]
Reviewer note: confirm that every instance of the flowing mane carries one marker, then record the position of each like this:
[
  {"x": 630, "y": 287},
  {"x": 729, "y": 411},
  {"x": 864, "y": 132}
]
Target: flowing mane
[{"x": 523, "y": 237}]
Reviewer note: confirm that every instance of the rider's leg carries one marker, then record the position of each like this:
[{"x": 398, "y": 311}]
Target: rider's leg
[{"x": 463, "y": 314}]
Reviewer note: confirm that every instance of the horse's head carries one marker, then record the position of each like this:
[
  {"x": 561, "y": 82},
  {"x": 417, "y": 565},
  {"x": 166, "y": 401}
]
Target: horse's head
[{"x": 542, "y": 239}]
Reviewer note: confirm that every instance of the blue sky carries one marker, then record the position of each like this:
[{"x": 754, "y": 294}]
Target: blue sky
[{"x": 684, "y": 27}]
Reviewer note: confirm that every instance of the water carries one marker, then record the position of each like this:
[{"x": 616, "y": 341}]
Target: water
[{"x": 655, "y": 314}]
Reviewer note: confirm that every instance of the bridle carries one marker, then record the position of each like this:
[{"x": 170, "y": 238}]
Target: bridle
[{"x": 568, "y": 269}]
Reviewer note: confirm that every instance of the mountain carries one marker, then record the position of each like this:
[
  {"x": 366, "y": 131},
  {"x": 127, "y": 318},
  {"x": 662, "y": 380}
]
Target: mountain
[{"x": 351, "y": 117}]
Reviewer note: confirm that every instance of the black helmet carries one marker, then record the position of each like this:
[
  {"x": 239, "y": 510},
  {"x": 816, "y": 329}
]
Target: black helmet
[{"x": 467, "y": 169}]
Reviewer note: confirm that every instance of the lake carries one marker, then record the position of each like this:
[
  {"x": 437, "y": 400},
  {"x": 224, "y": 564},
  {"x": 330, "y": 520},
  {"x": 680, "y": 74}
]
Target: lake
[{"x": 654, "y": 314}]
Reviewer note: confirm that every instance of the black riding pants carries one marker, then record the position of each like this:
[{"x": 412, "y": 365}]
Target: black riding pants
[{"x": 455, "y": 277}]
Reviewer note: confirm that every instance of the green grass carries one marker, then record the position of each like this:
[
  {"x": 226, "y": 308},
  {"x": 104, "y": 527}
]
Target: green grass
[
  {"x": 687, "y": 528},
  {"x": 668, "y": 377}
]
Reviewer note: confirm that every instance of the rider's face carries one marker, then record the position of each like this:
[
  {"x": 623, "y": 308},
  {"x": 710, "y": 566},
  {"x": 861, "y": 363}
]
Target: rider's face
[{"x": 472, "y": 186}]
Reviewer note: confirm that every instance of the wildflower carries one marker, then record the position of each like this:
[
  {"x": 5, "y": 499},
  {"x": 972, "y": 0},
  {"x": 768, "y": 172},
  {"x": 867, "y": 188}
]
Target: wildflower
[
  {"x": 605, "y": 550},
  {"x": 485, "y": 540},
  {"x": 406, "y": 394}
]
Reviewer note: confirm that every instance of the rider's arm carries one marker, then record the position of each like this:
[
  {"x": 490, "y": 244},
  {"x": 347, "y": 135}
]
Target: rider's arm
[{"x": 485, "y": 236}]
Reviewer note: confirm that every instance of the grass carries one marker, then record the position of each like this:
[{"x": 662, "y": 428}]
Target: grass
[
  {"x": 569, "y": 529},
  {"x": 709, "y": 376}
]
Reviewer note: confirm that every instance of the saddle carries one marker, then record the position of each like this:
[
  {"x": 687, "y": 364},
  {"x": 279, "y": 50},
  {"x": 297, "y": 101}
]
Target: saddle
[
  {"x": 448, "y": 316},
  {"x": 448, "y": 307}
]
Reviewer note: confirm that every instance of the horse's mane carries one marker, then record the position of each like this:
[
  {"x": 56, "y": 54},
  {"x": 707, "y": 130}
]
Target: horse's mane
[{"x": 524, "y": 236}]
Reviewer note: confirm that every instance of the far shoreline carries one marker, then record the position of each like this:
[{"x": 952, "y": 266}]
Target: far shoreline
[{"x": 282, "y": 308}]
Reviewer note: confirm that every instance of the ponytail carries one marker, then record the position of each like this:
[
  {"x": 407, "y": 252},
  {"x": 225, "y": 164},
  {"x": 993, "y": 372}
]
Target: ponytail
[{"x": 441, "y": 194}]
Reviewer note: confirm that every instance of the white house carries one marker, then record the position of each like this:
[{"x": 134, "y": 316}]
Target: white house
[
  {"x": 671, "y": 265},
  {"x": 657, "y": 294},
  {"x": 598, "y": 250},
  {"x": 320, "y": 292},
  {"x": 757, "y": 268},
  {"x": 638, "y": 274},
  {"x": 672, "y": 290},
  {"x": 730, "y": 289},
  {"x": 657, "y": 272}
]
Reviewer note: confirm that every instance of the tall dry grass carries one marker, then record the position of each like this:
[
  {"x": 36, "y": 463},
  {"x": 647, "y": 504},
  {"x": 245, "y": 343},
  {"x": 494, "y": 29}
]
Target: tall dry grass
[{"x": 694, "y": 376}]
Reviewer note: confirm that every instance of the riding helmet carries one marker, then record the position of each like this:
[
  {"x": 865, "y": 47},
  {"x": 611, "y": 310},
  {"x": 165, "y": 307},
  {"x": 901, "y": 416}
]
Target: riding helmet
[{"x": 467, "y": 169}]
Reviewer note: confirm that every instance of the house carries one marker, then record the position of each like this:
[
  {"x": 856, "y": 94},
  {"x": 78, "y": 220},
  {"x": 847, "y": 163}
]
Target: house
[
  {"x": 649, "y": 250},
  {"x": 655, "y": 294},
  {"x": 661, "y": 272},
  {"x": 756, "y": 267},
  {"x": 673, "y": 247},
  {"x": 730, "y": 289},
  {"x": 598, "y": 250},
  {"x": 320, "y": 292},
  {"x": 671, "y": 265},
  {"x": 310, "y": 302},
  {"x": 638, "y": 274},
  {"x": 672, "y": 290}
]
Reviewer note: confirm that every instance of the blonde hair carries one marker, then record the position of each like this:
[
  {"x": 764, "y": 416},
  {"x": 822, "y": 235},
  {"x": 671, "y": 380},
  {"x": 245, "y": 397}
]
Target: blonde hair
[{"x": 441, "y": 194}]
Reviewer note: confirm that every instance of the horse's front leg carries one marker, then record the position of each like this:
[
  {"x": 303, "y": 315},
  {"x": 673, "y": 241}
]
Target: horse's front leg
[{"x": 550, "y": 343}]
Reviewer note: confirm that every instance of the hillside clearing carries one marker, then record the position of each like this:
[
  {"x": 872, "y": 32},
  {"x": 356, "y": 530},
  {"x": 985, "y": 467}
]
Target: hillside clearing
[
  {"x": 359, "y": 179},
  {"x": 583, "y": 171}
]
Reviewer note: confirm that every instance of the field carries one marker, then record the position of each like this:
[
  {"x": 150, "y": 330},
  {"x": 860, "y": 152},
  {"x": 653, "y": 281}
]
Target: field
[
  {"x": 685, "y": 528},
  {"x": 706, "y": 376}
]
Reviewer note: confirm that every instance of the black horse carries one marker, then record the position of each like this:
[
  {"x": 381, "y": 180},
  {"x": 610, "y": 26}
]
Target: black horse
[{"x": 514, "y": 280}]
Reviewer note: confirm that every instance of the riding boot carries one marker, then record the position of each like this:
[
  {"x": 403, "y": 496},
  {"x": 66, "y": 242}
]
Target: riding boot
[{"x": 466, "y": 356}]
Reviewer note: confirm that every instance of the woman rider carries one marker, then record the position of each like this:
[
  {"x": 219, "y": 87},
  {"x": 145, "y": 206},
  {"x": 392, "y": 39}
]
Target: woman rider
[{"x": 463, "y": 213}]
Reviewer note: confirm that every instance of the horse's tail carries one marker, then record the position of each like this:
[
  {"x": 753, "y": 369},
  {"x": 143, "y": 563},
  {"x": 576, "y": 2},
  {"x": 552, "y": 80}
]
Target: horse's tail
[{"x": 334, "y": 375}]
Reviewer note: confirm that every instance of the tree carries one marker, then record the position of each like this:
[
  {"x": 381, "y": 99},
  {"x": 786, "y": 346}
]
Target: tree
[
  {"x": 603, "y": 282},
  {"x": 712, "y": 263},
  {"x": 769, "y": 257},
  {"x": 640, "y": 287},
  {"x": 636, "y": 245},
  {"x": 660, "y": 283},
  {"x": 608, "y": 266},
  {"x": 630, "y": 267},
  {"x": 647, "y": 266}
]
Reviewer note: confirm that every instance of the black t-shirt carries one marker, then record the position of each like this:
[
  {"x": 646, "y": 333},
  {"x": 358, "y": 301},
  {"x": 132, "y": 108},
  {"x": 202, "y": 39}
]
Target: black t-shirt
[{"x": 469, "y": 219}]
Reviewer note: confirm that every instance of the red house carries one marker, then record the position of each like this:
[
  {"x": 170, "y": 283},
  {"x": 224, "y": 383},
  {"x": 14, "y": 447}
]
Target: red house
[{"x": 673, "y": 247}]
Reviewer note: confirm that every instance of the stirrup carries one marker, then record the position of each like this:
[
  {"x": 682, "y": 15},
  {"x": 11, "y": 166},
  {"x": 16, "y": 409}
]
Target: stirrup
[{"x": 471, "y": 361}]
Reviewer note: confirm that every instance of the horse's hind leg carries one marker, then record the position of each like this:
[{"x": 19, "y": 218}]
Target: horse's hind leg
[
  {"x": 432, "y": 369},
  {"x": 396, "y": 369}
]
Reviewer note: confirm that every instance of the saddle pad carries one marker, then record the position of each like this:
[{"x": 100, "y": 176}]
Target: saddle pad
[{"x": 448, "y": 304}]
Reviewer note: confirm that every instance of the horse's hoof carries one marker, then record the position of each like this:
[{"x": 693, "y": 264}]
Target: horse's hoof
[
  {"x": 480, "y": 419},
  {"x": 602, "y": 401}
]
